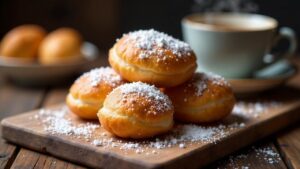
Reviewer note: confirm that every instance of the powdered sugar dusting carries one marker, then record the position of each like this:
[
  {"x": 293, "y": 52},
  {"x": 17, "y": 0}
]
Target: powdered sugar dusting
[
  {"x": 60, "y": 122},
  {"x": 181, "y": 136},
  {"x": 160, "y": 100},
  {"x": 153, "y": 42},
  {"x": 103, "y": 74},
  {"x": 253, "y": 109},
  {"x": 268, "y": 154},
  {"x": 55, "y": 122},
  {"x": 262, "y": 155},
  {"x": 217, "y": 79},
  {"x": 199, "y": 82}
]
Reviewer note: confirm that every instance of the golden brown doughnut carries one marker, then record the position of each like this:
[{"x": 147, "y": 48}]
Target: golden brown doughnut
[
  {"x": 61, "y": 46},
  {"x": 153, "y": 57},
  {"x": 88, "y": 92},
  {"x": 136, "y": 110},
  {"x": 204, "y": 98},
  {"x": 22, "y": 42}
]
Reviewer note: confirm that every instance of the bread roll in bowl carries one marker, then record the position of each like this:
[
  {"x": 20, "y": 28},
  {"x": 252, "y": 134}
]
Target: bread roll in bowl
[
  {"x": 153, "y": 57},
  {"x": 22, "y": 42},
  {"x": 61, "y": 46},
  {"x": 88, "y": 92},
  {"x": 136, "y": 110},
  {"x": 204, "y": 98}
]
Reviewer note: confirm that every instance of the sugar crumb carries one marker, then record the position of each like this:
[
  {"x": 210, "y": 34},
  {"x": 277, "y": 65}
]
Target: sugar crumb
[{"x": 182, "y": 145}]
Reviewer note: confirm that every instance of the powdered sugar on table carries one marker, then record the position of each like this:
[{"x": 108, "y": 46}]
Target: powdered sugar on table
[{"x": 261, "y": 154}]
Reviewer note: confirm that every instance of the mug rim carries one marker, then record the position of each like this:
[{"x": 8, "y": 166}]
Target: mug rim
[{"x": 187, "y": 20}]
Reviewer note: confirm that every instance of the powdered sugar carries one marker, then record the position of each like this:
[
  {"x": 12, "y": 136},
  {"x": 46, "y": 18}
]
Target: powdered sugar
[
  {"x": 153, "y": 42},
  {"x": 217, "y": 79},
  {"x": 160, "y": 100},
  {"x": 253, "y": 109},
  {"x": 59, "y": 121},
  {"x": 263, "y": 154},
  {"x": 97, "y": 142},
  {"x": 268, "y": 154},
  {"x": 199, "y": 133},
  {"x": 199, "y": 82},
  {"x": 55, "y": 122},
  {"x": 102, "y": 74},
  {"x": 181, "y": 136}
]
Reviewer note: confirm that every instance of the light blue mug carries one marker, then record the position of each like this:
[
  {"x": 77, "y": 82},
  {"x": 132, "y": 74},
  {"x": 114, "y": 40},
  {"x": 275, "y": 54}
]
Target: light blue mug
[{"x": 234, "y": 45}]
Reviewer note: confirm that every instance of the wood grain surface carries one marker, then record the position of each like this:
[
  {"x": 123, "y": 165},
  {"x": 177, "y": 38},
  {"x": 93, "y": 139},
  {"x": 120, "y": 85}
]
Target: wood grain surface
[
  {"x": 25, "y": 99},
  {"x": 289, "y": 146},
  {"x": 248, "y": 157}
]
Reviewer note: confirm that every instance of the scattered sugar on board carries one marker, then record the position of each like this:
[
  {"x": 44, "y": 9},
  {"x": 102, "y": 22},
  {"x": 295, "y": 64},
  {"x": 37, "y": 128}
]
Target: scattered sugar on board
[
  {"x": 181, "y": 136},
  {"x": 154, "y": 43},
  {"x": 253, "y": 109},
  {"x": 55, "y": 122},
  {"x": 161, "y": 101},
  {"x": 102, "y": 74}
]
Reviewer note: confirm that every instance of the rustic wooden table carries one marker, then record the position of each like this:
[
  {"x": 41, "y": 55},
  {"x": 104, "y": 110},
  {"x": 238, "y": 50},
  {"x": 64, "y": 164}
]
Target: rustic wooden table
[{"x": 16, "y": 99}]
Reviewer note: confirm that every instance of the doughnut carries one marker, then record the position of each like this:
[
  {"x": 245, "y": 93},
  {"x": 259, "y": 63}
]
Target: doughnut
[
  {"x": 88, "y": 92},
  {"x": 204, "y": 98},
  {"x": 22, "y": 42},
  {"x": 152, "y": 57},
  {"x": 136, "y": 110},
  {"x": 61, "y": 46}
]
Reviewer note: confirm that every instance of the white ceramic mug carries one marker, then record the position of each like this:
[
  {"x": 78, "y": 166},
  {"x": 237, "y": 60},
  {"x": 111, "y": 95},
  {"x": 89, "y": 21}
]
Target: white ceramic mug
[{"x": 234, "y": 45}]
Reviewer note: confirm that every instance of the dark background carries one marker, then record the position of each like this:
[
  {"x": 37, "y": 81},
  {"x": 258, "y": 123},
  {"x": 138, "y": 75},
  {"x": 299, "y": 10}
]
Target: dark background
[{"x": 102, "y": 21}]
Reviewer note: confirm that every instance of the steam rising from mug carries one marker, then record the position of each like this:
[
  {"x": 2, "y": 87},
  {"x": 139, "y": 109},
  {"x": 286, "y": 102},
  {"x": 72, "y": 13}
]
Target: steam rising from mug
[{"x": 203, "y": 6}]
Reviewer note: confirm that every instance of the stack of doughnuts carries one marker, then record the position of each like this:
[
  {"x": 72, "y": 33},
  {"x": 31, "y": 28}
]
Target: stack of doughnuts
[{"x": 158, "y": 83}]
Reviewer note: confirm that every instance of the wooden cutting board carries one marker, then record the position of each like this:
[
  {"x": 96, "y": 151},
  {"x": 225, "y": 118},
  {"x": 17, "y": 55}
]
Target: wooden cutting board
[{"x": 89, "y": 144}]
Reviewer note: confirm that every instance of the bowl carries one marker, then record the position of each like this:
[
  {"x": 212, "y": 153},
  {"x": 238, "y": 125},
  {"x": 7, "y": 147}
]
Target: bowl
[{"x": 31, "y": 73}]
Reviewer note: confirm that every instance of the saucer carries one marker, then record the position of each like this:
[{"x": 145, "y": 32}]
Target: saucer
[{"x": 261, "y": 83}]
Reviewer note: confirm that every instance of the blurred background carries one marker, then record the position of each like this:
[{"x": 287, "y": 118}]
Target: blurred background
[{"x": 102, "y": 21}]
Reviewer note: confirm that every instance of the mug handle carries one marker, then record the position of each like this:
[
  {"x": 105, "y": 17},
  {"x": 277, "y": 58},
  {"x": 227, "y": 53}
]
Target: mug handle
[
  {"x": 280, "y": 63},
  {"x": 290, "y": 35}
]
